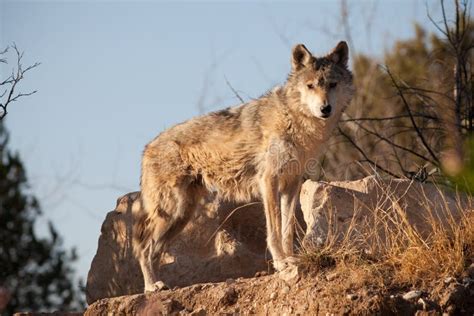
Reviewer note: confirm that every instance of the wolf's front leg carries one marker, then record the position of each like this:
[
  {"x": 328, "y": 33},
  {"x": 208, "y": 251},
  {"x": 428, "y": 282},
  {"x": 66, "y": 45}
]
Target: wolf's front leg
[
  {"x": 270, "y": 197},
  {"x": 289, "y": 198}
]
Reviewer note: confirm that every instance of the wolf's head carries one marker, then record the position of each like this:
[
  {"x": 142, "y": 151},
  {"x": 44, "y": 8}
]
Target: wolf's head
[{"x": 322, "y": 84}]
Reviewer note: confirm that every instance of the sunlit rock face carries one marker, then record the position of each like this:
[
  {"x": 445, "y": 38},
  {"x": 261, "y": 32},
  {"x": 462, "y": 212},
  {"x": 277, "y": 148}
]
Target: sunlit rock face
[
  {"x": 365, "y": 211},
  {"x": 211, "y": 248},
  {"x": 227, "y": 240}
]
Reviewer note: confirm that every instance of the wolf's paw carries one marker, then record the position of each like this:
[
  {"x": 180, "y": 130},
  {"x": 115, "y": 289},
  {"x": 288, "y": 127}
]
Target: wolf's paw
[
  {"x": 157, "y": 286},
  {"x": 283, "y": 264},
  {"x": 291, "y": 269}
]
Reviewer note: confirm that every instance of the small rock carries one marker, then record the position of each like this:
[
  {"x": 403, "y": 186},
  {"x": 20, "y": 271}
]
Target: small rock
[
  {"x": 470, "y": 271},
  {"x": 229, "y": 297},
  {"x": 230, "y": 281},
  {"x": 197, "y": 287},
  {"x": 451, "y": 309},
  {"x": 423, "y": 304},
  {"x": 199, "y": 312},
  {"x": 428, "y": 306},
  {"x": 285, "y": 290},
  {"x": 448, "y": 280},
  {"x": 290, "y": 274},
  {"x": 411, "y": 295},
  {"x": 261, "y": 274},
  {"x": 331, "y": 276},
  {"x": 273, "y": 296},
  {"x": 467, "y": 281},
  {"x": 172, "y": 306},
  {"x": 351, "y": 297},
  {"x": 454, "y": 295}
]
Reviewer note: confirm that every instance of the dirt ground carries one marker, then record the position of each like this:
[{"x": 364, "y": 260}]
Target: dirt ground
[{"x": 329, "y": 292}]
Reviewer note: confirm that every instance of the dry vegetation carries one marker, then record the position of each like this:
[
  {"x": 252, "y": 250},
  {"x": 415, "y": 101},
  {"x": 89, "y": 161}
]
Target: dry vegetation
[{"x": 387, "y": 251}]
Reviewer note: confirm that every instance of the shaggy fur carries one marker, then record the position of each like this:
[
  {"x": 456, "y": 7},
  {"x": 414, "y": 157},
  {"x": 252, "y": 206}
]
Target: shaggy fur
[{"x": 258, "y": 150}]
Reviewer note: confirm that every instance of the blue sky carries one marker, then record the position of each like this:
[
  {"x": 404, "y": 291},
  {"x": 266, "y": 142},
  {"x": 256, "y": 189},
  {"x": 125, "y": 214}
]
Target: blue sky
[{"x": 116, "y": 73}]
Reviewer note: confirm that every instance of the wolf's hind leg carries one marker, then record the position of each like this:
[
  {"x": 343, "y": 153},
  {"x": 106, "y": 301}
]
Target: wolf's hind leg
[
  {"x": 146, "y": 264},
  {"x": 164, "y": 226},
  {"x": 143, "y": 247},
  {"x": 148, "y": 226}
]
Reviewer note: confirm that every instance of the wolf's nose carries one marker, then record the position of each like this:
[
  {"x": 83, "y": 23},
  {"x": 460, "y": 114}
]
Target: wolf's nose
[{"x": 326, "y": 109}]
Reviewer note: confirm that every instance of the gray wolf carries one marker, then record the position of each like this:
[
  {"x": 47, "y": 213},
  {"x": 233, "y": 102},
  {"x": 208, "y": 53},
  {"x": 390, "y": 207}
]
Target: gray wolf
[{"x": 257, "y": 150}]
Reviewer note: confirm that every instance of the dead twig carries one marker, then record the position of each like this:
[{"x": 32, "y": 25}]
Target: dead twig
[{"x": 9, "y": 85}]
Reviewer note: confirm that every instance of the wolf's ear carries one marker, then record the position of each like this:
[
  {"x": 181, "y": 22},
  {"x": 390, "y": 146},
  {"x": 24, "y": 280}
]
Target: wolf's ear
[
  {"x": 300, "y": 57},
  {"x": 340, "y": 54}
]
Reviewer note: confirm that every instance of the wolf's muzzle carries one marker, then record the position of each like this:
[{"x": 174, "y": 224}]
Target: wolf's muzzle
[{"x": 326, "y": 110}]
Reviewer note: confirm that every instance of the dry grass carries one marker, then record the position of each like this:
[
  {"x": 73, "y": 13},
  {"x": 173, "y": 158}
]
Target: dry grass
[{"x": 383, "y": 245}]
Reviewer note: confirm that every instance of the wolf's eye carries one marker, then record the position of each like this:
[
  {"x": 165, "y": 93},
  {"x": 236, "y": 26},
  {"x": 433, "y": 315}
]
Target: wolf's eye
[
  {"x": 310, "y": 86},
  {"x": 332, "y": 85}
]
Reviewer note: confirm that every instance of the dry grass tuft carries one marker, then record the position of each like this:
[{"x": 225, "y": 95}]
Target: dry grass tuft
[{"x": 386, "y": 247}]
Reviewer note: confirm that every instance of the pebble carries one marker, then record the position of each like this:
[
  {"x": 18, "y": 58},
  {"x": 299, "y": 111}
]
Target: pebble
[
  {"x": 261, "y": 274},
  {"x": 331, "y": 276},
  {"x": 448, "y": 280},
  {"x": 423, "y": 303},
  {"x": 285, "y": 290},
  {"x": 470, "y": 270},
  {"x": 273, "y": 296},
  {"x": 411, "y": 295},
  {"x": 199, "y": 312},
  {"x": 229, "y": 296},
  {"x": 467, "y": 281},
  {"x": 351, "y": 297},
  {"x": 290, "y": 274},
  {"x": 230, "y": 281}
]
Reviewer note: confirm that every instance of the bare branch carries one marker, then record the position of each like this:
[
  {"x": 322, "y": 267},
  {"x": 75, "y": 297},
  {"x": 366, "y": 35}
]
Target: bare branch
[
  {"x": 412, "y": 119},
  {"x": 396, "y": 117},
  {"x": 367, "y": 159},
  {"x": 233, "y": 90},
  {"x": 417, "y": 91},
  {"x": 10, "y": 83},
  {"x": 346, "y": 26},
  {"x": 3, "y": 60},
  {"x": 434, "y": 22},
  {"x": 445, "y": 21},
  {"x": 391, "y": 143}
]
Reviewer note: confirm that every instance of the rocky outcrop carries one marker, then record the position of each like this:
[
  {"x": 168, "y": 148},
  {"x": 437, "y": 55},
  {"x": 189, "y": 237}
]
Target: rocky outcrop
[
  {"x": 228, "y": 241},
  {"x": 49, "y": 314},
  {"x": 368, "y": 209},
  {"x": 309, "y": 295},
  {"x": 212, "y": 248}
]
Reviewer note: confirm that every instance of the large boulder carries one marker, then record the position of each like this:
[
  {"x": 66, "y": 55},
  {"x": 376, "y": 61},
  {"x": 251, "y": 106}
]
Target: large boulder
[
  {"x": 225, "y": 241},
  {"x": 366, "y": 211}
]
